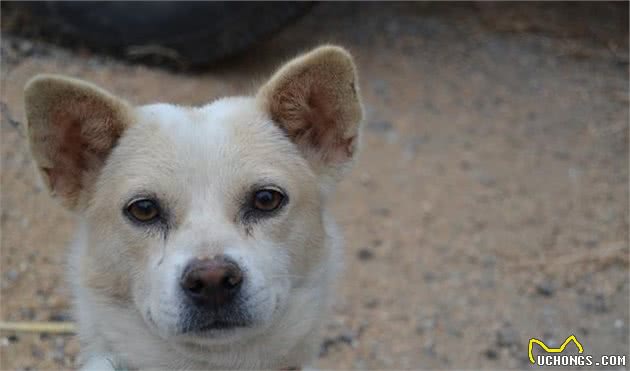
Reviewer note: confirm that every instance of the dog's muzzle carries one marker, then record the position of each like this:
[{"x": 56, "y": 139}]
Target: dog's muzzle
[{"x": 212, "y": 295}]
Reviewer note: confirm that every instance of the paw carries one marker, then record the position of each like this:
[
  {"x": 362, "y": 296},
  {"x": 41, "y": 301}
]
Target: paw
[{"x": 102, "y": 363}]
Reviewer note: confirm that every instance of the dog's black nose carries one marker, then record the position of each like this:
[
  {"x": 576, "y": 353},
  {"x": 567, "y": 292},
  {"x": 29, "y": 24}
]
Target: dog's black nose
[{"x": 211, "y": 282}]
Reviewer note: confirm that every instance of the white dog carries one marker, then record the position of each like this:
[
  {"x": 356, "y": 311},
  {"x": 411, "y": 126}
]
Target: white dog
[{"x": 204, "y": 238}]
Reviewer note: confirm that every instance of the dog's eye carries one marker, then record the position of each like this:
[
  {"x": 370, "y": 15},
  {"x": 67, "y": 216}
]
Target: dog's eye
[
  {"x": 144, "y": 210},
  {"x": 268, "y": 200}
]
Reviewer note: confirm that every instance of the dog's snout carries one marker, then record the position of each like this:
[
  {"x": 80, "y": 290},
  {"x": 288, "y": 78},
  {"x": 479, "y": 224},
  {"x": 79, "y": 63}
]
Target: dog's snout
[{"x": 211, "y": 282}]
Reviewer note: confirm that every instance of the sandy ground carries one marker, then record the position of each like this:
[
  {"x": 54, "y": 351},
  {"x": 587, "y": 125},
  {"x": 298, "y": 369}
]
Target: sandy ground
[{"x": 490, "y": 204}]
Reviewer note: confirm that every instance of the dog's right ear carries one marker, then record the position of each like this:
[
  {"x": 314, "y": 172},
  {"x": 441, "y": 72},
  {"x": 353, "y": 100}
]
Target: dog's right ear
[
  {"x": 72, "y": 128},
  {"x": 315, "y": 100}
]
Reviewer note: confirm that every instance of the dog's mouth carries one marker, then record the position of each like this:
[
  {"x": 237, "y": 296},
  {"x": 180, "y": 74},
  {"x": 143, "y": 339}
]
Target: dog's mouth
[
  {"x": 194, "y": 339},
  {"x": 212, "y": 326},
  {"x": 196, "y": 322},
  {"x": 206, "y": 325}
]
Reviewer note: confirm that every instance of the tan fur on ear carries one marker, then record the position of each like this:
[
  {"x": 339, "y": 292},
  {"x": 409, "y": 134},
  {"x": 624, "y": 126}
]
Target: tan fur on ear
[
  {"x": 315, "y": 100},
  {"x": 72, "y": 127}
]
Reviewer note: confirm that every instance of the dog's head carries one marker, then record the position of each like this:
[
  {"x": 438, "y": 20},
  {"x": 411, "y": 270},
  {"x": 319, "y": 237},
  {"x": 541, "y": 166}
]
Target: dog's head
[{"x": 205, "y": 219}]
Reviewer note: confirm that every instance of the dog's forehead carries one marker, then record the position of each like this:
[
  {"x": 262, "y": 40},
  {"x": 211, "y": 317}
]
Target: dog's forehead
[
  {"x": 214, "y": 123},
  {"x": 225, "y": 139},
  {"x": 223, "y": 129}
]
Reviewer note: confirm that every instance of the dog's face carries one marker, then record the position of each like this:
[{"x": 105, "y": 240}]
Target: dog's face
[
  {"x": 218, "y": 220},
  {"x": 206, "y": 220}
]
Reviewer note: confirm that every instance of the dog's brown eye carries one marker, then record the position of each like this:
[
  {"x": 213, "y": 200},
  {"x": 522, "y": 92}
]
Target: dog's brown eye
[
  {"x": 144, "y": 210},
  {"x": 268, "y": 200}
]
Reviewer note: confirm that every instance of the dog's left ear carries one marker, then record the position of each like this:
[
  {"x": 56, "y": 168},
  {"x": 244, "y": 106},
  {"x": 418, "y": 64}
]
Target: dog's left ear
[
  {"x": 72, "y": 128},
  {"x": 315, "y": 100}
]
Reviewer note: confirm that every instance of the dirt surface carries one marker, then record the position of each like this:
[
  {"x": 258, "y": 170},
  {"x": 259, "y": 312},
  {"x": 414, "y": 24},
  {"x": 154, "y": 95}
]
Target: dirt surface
[{"x": 490, "y": 204}]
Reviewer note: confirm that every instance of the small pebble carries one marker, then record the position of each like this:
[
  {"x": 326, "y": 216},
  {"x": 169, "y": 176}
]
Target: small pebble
[
  {"x": 491, "y": 354},
  {"x": 546, "y": 288},
  {"x": 365, "y": 254},
  {"x": 372, "y": 303},
  {"x": 11, "y": 275},
  {"x": 594, "y": 304},
  {"x": 429, "y": 277},
  {"x": 61, "y": 317}
]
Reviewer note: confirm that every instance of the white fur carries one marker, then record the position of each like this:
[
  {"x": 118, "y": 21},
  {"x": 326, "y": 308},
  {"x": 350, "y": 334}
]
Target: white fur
[
  {"x": 206, "y": 161},
  {"x": 202, "y": 165}
]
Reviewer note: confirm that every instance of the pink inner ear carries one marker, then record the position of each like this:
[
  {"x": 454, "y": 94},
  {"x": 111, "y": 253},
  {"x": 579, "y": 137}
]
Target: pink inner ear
[
  {"x": 313, "y": 118},
  {"x": 321, "y": 118},
  {"x": 81, "y": 137},
  {"x": 67, "y": 147}
]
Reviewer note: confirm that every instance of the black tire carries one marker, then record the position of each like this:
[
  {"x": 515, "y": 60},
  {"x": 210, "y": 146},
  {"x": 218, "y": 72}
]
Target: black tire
[{"x": 187, "y": 34}]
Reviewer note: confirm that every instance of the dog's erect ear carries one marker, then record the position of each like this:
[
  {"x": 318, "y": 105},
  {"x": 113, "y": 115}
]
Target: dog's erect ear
[
  {"x": 315, "y": 100},
  {"x": 72, "y": 128}
]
